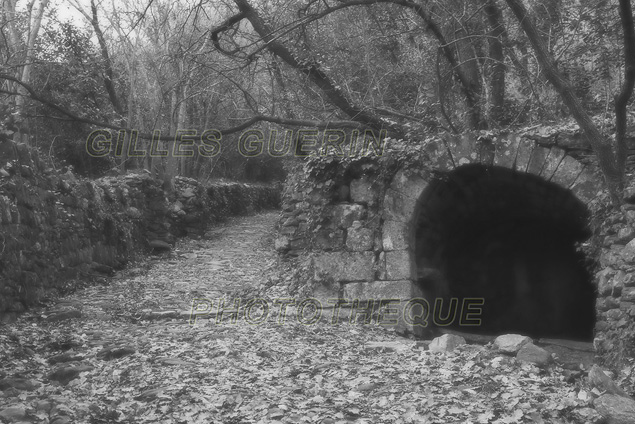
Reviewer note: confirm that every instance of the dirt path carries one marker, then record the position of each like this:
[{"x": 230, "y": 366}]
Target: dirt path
[
  {"x": 234, "y": 257},
  {"x": 126, "y": 352}
]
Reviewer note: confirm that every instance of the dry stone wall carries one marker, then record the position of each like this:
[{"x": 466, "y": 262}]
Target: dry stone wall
[
  {"x": 615, "y": 326},
  {"x": 349, "y": 224},
  {"x": 55, "y": 226}
]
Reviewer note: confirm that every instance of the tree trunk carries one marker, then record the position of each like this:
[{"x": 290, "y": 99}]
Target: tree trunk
[
  {"x": 35, "y": 15},
  {"x": 626, "y": 92},
  {"x": 108, "y": 73}
]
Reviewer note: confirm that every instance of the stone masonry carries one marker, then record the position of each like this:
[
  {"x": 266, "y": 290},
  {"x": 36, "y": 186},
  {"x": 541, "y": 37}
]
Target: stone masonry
[
  {"x": 350, "y": 223},
  {"x": 56, "y": 227}
]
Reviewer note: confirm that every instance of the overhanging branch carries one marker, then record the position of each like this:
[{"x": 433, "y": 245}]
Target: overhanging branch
[{"x": 309, "y": 68}]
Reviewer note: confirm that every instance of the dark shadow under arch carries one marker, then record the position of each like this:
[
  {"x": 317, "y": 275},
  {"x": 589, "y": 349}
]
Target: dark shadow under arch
[{"x": 512, "y": 239}]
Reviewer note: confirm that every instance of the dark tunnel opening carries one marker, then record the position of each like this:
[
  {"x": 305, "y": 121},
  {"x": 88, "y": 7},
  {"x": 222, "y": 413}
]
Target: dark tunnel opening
[{"x": 513, "y": 240}]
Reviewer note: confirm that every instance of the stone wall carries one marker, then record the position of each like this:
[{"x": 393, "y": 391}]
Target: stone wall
[
  {"x": 615, "y": 327},
  {"x": 349, "y": 223},
  {"x": 55, "y": 227}
]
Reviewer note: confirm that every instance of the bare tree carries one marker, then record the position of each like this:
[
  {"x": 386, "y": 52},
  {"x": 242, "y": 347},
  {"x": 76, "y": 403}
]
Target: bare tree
[{"x": 23, "y": 48}]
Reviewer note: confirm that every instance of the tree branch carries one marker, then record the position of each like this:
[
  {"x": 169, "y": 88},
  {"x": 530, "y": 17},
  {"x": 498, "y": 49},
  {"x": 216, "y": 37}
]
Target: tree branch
[
  {"x": 312, "y": 70},
  {"x": 224, "y": 27}
]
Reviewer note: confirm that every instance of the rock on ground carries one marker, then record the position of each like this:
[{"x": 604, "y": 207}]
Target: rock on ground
[
  {"x": 616, "y": 409},
  {"x": 511, "y": 343},
  {"x": 534, "y": 354},
  {"x": 446, "y": 343}
]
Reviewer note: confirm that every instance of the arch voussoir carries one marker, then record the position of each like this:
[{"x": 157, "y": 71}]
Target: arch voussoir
[
  {"x": 505, "y": 151},
  {"x": 537, "y": 160},
  {"x": 585, "y": 187},
  {"x": 567, "y": 172},
  {"x": 552, "y": 161},
  {"x": 524, "y": 154}
]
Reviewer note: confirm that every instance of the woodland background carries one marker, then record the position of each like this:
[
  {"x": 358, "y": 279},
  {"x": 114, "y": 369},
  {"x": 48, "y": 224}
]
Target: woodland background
[{"x": 412, "y": 67}]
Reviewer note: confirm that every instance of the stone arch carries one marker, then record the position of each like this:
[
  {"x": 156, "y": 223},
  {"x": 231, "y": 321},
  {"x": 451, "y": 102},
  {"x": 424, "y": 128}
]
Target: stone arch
[{"x": 511, "y": 156}]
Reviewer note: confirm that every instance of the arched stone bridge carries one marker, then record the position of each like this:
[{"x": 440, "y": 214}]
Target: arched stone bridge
[{"x": 496, "y": 224}]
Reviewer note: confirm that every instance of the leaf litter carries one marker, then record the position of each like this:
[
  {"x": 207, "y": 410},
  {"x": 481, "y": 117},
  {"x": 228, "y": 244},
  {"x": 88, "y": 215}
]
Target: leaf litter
[{"x": 128, "y": 360}]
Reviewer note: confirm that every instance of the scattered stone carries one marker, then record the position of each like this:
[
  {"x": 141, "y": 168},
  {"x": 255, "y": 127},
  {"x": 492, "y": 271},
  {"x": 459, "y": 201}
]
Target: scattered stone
[
  {"x": 65, "y": 375},
  {"x": 115, "y": 352},
  {"x": 534, "y": 355},
  {"x": 17, "y": 383},
  {"x": 616, "y": 409},
  {"x": 446, "y": 343},
  {"x": 511, "y": 343},
  {"x": 472, "y": 339},
  {"x": 282, "y": 243},
  {"x": 602, "y": 382},
  {"x": 13, "y": 413}
]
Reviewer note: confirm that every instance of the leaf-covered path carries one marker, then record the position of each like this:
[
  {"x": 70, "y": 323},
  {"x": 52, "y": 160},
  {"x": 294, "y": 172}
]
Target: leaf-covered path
[{"x": 125, "y": 351}]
